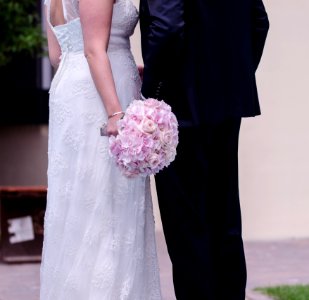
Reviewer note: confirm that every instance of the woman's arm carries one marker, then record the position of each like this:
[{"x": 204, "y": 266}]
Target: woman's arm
[
  {"x": 96, "y": 18},
  {"x": 54, "y": 50}
]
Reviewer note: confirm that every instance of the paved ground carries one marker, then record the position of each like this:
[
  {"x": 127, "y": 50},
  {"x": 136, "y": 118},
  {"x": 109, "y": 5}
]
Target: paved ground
[
  {"x": 269, "y": 263},
  {"x": 275, "y": 263}
]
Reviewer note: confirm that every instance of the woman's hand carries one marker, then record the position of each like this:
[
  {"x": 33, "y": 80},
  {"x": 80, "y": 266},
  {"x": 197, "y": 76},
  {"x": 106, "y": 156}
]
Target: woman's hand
[{"x": 112, "y": 127}]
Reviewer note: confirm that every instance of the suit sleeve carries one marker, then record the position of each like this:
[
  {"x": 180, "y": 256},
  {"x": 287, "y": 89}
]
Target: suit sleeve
[
  {"x": 162, "y": 26},
  {"x": 260, "y": 30}
]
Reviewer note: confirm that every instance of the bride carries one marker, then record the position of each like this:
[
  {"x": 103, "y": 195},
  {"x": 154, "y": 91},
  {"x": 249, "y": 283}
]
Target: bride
[{"x": 99, "y": 240}]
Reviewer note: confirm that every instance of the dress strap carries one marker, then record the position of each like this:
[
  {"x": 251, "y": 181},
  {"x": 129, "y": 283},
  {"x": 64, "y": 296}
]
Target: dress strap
[{"x": 70, "y": 10}]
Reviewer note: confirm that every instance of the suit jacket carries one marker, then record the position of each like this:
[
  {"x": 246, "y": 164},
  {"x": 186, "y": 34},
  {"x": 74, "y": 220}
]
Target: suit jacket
[{"x": 200, "y": 56}]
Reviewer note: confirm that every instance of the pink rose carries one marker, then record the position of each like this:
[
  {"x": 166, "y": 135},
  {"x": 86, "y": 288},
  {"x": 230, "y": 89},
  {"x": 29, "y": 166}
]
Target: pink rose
[{"x": 149, "y": 126}]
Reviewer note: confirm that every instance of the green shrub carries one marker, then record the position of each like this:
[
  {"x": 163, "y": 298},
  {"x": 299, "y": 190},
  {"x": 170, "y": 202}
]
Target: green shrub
[
  {"x": 286, "y": 292},
  {"x": 20, "y": 29}
]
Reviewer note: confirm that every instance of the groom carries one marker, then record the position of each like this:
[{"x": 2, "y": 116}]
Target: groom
[{"x": 200, "y": 56}]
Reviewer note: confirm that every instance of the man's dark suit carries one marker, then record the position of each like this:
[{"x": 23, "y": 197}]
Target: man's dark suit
[{"x": 200, "y": 56}]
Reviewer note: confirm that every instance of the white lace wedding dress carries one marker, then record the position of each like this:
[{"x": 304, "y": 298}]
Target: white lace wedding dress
[{"x": 99, "y": 239}]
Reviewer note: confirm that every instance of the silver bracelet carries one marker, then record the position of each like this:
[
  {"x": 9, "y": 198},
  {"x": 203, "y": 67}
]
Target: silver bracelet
[{"x": 116, "y": 113}]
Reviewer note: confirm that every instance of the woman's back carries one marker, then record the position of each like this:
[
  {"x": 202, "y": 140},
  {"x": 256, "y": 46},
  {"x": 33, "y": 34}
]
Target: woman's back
[{"x": 61, "y": 13}]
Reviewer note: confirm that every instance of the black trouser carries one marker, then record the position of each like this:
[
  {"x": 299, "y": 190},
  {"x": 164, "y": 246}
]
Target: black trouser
[{"x": 200, "y": 211}]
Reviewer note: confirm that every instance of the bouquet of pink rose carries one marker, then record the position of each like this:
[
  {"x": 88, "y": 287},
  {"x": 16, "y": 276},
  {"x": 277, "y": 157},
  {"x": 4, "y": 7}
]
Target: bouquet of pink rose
[{"x": 147, "y": 139}]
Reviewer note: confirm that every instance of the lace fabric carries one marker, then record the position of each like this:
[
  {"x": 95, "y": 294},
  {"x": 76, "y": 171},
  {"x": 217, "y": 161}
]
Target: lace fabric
[
  {"x": 70, "y": 9},
  {"x": 99, "y": 238}
]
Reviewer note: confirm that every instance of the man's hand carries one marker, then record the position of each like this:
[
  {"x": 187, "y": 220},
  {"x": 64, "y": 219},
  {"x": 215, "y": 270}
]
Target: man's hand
[{"x": 140, "y": 71}]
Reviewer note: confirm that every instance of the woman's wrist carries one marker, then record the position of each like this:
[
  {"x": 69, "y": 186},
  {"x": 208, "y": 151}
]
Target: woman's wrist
[{"x": 116, "y": 114}]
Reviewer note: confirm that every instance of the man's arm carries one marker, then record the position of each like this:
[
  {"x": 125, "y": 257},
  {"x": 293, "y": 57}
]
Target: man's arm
[
  {"x": 260, "y": 30},
  {"x": 162, "y": 26}
]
